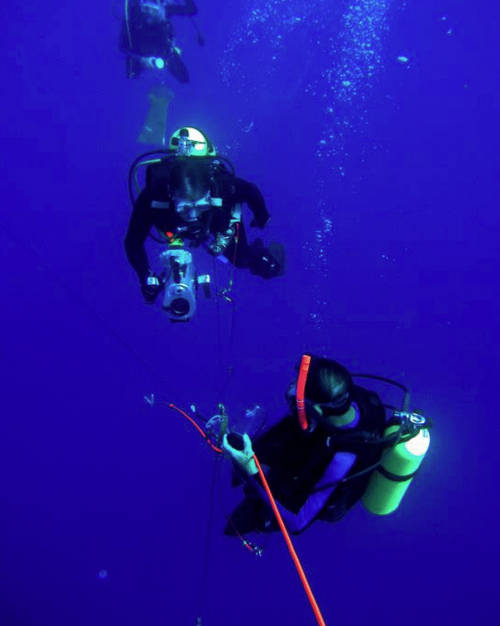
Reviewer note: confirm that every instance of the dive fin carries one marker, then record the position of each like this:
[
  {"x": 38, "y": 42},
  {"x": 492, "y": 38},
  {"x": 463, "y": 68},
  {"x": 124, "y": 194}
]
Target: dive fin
[
  {"x": 155, "y": 125},
  {"x": 278, "y": 252}
]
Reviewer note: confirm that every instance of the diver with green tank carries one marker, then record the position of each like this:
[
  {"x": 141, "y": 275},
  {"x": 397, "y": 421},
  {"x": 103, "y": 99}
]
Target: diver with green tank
[{"x": 337, "y": 446}]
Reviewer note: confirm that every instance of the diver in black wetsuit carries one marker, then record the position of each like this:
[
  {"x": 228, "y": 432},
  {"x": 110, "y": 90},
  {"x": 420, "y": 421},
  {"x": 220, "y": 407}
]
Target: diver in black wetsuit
[
  {"x": 147, "y": 36},
  {"x": 307, "y": 457},
  {"x": 192, "y": 195}
]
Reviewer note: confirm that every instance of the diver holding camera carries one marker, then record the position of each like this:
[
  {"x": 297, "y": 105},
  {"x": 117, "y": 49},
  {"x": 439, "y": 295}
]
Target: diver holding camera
[{"x": 192, "y": 195}]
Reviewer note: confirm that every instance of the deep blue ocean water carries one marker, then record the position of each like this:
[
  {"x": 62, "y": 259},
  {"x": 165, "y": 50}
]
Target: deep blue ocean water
[{"x": 371, "y": 127}]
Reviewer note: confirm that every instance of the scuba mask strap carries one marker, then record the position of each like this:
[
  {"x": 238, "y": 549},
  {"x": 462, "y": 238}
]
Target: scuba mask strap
[{"x": 305, "y": 364}]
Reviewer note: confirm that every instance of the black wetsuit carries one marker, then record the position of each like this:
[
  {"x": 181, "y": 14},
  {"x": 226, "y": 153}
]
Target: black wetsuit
[
  {"x": 231, "y": 189},
  {"x": 296, "y": 463},
  {"x": 142, "y": 38}
]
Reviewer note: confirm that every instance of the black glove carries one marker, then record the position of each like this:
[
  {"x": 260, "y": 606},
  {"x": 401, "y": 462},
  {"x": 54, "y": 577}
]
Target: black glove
[{"x": 150, "y": 288}]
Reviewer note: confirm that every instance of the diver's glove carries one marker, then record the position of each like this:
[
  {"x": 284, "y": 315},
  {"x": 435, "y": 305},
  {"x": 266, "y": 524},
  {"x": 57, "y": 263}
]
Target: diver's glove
[
  {"x": 150, "y": 288},
  {"x": 243, "y": 457}
]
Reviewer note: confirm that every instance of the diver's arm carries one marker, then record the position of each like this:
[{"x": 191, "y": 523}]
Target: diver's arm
[
  {"x": 250, "y": 193},
  {"x": 243, "y": 457},
  {"x": 297, "y": 522},
  {"x": 138, "y": 230},
  {"x": 189, "y": 8}
]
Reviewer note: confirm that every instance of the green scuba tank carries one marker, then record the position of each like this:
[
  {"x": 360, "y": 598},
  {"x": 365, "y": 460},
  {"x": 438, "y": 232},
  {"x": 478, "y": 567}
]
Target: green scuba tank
[{"x": 390, "y": 480}]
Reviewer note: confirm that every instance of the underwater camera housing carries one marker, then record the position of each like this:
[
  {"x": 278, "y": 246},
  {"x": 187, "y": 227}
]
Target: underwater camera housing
[{"x": 181, "y": 283}]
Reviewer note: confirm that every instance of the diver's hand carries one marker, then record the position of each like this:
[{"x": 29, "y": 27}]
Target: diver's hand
[
  {"x": 221, "y": 242},
  {"x": 150, "y": 288},
  {"x": 215, "y": 249},
  {"x": 244, "y": 457}
]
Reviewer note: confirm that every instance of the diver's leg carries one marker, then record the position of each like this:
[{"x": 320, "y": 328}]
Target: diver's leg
[
  {"x": 261, "y": 261},
  {"x": 275, "y": 260},
  {"x": 250, "y": 515},
  {"x": 177, "y": 68},
  {"x": 266, "y": 262}
]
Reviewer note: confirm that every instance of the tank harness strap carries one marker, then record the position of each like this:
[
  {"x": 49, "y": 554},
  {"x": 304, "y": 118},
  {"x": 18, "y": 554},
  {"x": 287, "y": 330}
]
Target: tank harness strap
[
  {"x": 394, "y": 477},
  {"x": 401, "y": 435},
  {"x": 369, "y": 438}
]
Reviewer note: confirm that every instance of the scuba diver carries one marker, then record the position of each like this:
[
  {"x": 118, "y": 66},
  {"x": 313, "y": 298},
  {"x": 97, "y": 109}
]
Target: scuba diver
[
  {"x": 335, "y": 448},
  {"x": 191, "y": 194},
  {"x": 147, "y": 36}
]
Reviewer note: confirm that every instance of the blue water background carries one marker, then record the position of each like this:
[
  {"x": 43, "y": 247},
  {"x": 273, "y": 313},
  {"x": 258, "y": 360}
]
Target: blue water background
[{"x": 381, "y": 175}]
